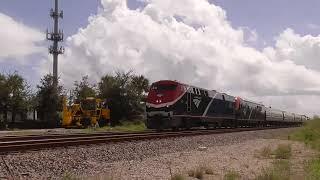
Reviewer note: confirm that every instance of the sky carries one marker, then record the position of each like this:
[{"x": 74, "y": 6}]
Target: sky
[{"x": 265, "y": 51}]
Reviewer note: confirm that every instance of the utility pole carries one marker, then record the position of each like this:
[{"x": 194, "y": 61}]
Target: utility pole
[{"x": 56, "y": 36}]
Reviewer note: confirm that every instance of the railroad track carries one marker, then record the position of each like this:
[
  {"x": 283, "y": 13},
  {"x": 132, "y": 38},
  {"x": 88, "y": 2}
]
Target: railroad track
[{"x": 35, "y": 142}]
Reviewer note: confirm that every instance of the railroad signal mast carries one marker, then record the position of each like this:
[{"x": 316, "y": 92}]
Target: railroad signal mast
[{"x": 56, "y": 36}]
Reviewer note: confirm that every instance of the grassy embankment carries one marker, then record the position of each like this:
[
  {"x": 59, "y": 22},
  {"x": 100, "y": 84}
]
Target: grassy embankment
[
  {"x": 310, "y": 135},
  {"x": 280, "y": 170}
]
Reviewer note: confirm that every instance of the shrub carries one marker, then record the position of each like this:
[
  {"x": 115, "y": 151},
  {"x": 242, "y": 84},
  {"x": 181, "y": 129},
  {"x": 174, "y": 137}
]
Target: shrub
[
  {"x": 283, "y": 151},
  {"x": 208, "y": 171},
  {"x": 68, "y": 176},
  {"x": 200, "y": 171},
  {"x": 309, "y": 134},
  {"x": 279, "y": 171},
  {"x": 191, "y": 173},
  {"x": 197, "y": 173},
  {"x": 266, "y": 152}
]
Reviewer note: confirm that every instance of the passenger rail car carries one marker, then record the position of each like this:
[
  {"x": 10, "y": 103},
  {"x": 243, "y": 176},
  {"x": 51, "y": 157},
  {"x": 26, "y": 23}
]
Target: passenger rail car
[{"x": 171, "y": 104}]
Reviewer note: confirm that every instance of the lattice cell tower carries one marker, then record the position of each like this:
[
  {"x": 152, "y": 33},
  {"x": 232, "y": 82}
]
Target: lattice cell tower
[{"x": 56, "y": 36}]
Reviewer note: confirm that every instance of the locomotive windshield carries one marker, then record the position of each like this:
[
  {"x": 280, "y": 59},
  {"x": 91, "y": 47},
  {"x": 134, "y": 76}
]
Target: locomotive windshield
[
  {"x": 164, "y": 87},
  {"x": 88, "y": 104}
]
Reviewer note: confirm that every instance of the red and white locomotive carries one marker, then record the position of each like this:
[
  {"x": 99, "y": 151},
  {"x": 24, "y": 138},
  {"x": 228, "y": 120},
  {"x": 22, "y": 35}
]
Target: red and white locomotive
[{"x": 171, "y": 104}]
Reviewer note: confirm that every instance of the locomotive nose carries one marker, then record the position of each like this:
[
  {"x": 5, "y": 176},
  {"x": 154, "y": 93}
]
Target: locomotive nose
[{"x": 164, "y": 92}]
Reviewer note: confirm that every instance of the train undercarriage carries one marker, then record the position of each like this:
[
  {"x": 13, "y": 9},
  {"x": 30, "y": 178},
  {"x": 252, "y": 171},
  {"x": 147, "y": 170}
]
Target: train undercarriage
[{"x": 185, "y": 122}]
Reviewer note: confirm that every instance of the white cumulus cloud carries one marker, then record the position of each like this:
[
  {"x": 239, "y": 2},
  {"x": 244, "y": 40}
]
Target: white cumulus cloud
[
  {"x": 17, "y": 39},
  {"x": 192, "y": 41},
  {"x": 302, "y": 50}
]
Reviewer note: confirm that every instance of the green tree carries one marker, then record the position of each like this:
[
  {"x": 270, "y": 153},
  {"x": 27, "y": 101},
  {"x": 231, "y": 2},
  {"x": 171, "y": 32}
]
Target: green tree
[
  {"x": 3, "y": 100},
  {"x": 124, "y": 93},
  {"x": 32, "y": 103},
  {"x": 83, "y": 89},
  {"x": 13, "y": 96},
  {"x": 49, "y": 101},
  {"x": 18, "y": 89}
]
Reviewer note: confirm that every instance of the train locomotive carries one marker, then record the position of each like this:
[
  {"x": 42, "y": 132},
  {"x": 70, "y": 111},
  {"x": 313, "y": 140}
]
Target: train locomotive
[{"x": 174, "y": 105}]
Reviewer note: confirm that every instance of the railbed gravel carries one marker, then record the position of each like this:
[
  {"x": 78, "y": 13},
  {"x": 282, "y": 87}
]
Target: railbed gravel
[{"x": 95, "y": 159}]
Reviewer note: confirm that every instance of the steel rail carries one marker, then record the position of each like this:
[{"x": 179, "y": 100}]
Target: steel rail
[
  {"x": 53, "y": 142},
  {"x": 47, "y": 136}
]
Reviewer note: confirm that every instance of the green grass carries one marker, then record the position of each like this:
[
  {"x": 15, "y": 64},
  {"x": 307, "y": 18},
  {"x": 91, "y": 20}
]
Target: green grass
[
  {"x": 279, "y": 171},
  {"x": 313, "y": 169},
  {"x": 231, "y": 175},
  {"x": 128, "y": 126},
  {"x": 283, "y": 151},
  {"x": 309, "y": 134},
  {"x": 69, "y": 176},
  {"x": 125, "y": 126},
  {"x": 177, "y": 177}
]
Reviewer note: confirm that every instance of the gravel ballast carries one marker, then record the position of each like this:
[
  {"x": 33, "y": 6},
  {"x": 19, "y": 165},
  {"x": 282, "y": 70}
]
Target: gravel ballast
[{"x": 99, "y": 159}]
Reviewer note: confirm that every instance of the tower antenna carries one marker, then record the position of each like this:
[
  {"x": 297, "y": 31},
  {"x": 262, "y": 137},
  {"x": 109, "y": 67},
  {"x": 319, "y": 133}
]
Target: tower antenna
[{"x": 56, "y": 35}]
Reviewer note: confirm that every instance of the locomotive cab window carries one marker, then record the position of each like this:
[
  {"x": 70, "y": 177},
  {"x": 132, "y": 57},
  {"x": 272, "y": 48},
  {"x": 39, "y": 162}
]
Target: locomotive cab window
[{"x": 164, "y": 87}]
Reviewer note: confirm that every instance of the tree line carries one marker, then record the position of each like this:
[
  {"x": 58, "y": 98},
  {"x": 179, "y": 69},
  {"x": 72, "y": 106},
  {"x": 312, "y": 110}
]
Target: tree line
[{"x": 125, "y": 93}]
